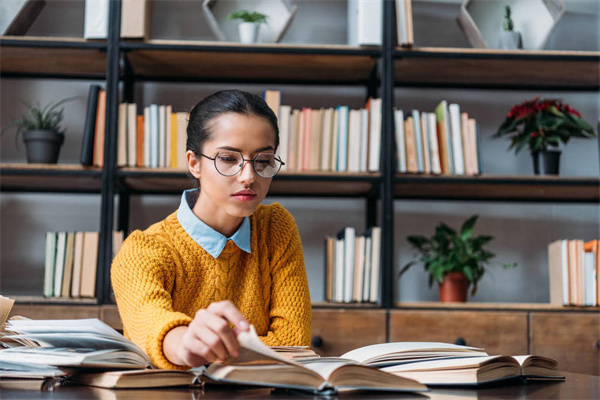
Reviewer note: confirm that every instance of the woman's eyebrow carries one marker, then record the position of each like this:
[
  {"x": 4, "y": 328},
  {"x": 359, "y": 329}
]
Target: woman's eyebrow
[{"x": 240, "y": 150}]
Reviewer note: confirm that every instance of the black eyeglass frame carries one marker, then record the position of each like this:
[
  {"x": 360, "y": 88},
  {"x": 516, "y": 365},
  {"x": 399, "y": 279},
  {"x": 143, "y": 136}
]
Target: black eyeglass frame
[{"x": 214, "y": 160}]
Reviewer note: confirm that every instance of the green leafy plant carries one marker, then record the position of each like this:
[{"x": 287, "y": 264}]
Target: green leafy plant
[
  {"x": 540, "y": 123},
  {"x": 249, "y": 16},
  {"x": 508, "y": 22},
  {"x": 449, "y": 251},
  {"x": 39, "y": 117}
]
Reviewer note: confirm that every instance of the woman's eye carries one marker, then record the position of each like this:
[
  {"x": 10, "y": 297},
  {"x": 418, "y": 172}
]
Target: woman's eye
[
  {"x": 264, "y": 161},
  {"x": 228, "y": 159}
]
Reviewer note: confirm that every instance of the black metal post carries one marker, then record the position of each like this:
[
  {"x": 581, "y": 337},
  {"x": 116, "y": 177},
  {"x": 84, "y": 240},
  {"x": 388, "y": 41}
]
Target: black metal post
[
  {"x": 387, "y": 171},
  {"x": 103, "y": 287},
  {"x": 123, "y": 217}
]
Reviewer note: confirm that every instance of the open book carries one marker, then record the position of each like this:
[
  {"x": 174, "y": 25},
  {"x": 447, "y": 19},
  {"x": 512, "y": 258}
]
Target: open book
[
  {"x": 478, "y": 370},
  {"x": 81, "y": 343},
  {"x": 259, "y": 365}
]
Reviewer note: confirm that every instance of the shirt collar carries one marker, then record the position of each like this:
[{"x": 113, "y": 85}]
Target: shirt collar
[{"x": 209, "y": 239}]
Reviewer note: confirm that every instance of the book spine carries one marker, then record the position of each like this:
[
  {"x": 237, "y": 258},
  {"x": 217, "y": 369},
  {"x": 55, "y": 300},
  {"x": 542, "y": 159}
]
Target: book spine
[{"x": 89, "y": 128}]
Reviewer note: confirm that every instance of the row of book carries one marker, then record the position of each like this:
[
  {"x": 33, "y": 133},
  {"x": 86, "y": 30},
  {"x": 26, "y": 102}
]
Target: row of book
[
  {"x": 573, "y": 271},
  {"x": 336, "y": 139},
  {"x": 71, "y": 263},
  {"x": 441, "y": 142},
  {"x": 352, "y": 266}
]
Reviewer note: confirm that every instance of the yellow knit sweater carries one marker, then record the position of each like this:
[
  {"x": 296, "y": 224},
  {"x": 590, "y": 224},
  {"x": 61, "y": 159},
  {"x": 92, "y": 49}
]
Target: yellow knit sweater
[{"x": 161, "y": 278}]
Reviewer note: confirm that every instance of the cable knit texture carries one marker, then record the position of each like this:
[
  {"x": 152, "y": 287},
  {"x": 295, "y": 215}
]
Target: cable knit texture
[{"x": 161, "y": 278}]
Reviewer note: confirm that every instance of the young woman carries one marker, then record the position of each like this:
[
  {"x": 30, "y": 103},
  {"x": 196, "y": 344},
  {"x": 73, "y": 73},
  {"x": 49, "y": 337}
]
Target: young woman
[{"x": 188, "y": 284}]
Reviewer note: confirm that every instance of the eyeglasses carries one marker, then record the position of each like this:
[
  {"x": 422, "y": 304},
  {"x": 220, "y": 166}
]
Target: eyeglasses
[{"x": 229, "y": 163}]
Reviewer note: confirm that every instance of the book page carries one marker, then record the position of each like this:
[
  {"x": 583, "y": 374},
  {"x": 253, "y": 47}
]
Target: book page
[
  {"x": 400, "y": 350},
  {"x": 254, "y": 351}
]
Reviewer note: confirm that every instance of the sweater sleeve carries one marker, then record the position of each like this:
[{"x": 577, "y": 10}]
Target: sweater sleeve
[
  {"x": 290, "y": 311},
  {"x": 142, "y": 276}
]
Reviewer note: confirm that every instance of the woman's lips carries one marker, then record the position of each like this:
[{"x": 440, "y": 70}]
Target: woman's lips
[{"x": 244, "y": 195}]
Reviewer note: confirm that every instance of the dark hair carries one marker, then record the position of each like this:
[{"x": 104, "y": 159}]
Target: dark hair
[{"x": 222, "y": 102}]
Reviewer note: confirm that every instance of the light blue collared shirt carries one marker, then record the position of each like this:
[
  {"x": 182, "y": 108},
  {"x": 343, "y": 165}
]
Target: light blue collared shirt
[{"x": 209, "y": 239}]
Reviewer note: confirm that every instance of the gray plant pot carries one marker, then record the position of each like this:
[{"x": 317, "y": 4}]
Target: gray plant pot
[
  {"x": 42, "y": 147},
  {"x": 509, "y": 40}
]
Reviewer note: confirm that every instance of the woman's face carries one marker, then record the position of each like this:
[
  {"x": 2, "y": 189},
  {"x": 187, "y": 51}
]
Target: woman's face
[{"x": 225, "y": 200}]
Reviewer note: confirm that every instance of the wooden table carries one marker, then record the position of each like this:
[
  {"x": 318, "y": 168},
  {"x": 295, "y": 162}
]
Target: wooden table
[{"x": 576, "y": 387}]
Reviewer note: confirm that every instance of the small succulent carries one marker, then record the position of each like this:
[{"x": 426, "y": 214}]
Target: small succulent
[
  {"x": 249, "y": 16},
  {"x": 508, "y": 22}
]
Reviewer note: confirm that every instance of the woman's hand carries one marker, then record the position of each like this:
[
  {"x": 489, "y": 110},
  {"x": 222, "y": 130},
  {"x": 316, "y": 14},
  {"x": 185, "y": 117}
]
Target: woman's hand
[{"x": 208, "y": 338}]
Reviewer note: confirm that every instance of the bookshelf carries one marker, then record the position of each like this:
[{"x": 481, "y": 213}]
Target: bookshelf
[{"x": 378, "y": 70}]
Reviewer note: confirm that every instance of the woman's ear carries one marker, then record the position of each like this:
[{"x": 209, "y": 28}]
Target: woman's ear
[{"x": 193, "y": 163}]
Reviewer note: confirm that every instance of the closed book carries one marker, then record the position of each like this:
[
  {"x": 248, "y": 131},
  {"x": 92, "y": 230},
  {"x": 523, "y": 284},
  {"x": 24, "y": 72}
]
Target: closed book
[
  {"x": 333, "y": 158},
  {"x": 558, "y": 272},
  {"x": 136, "y": 19},
  {"x": 573, "y": 285},
  {"x": 416, "y": 121},
  {"x": 316, "y": 124},
  {"x": 329, "y": 267},
  {"x": 154, "y": 135},
  {"x": 364, "y": 141},
  {"x": 349, "y": 252},
  {"x": 455, "y": 129},
  {"x": 401, "y": 23},
  {"x": 273, "y": 100},
  {"x": 174, "y": 137},
  {"x": 295, "y": 125},
  {"x": 409, "y": 23},
  {"x": 122, "y": 136},
  {"x": 589, "y": 279},
  {"x": 49, "y": 264},
  {"x": 593, "y": 246},
  {"x": 132, "y": 134},
  {"x": 434, "y": 148},
  {"x": 168, "y": 139},
  {"x": 162, "y": 136},
  {"x": 580, "y": 273},
  {"x": 302, "y": 140},
  {"x": 411, "y": 148},
  {"x": 182, "y": 123},
  {"x": 77, "y": 264},
  {"x": 338, "y": 290},
  {"x": 366, "y": 294},
  {"x": 469, "y": 163},
  {"x": 147, "y": 138},
  {"x": 476, "y": 145},
  {"x": 95, "y": 21},
  {"x": 68, "y": 270},
  {"x": 139, "y": 141},
  {"x": 326, "y": 139},
  {"x": 374, "y": 134},
  {"x": 375, "y": 262},
  {"x": 284, "y": 133},
  {"x": 89, "y": 264},
  {"x": 364, "y": 22},
  {"x": 359, "y": 269},
  {"x": 61, "y": 243},
  {"x": 342, "y": 142},
  {"x": 98, "y": 158},
  {"x": 400, "y": 140},
  {"x": 89, "y": 128},
  {"x": 425, "y": 140},
  {"x": 444, "y": 139},
  {"x": 354, "y": 127}
]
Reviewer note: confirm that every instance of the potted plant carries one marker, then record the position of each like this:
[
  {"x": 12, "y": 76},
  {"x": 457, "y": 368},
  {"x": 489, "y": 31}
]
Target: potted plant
[
  {"x": 41, "y": 131},
  {"x": 509, "y": 38},
  {"x": 454, "y": 260},
  {"x": 542, "y": 124},
  {"x": 248, "y": 28}
]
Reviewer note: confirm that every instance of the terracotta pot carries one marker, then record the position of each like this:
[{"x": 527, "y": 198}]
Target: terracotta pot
[{"x": 454, "y": 287}]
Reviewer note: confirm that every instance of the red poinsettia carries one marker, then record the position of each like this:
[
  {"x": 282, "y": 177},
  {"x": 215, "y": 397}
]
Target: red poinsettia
[{"x": 541, "y": 123}]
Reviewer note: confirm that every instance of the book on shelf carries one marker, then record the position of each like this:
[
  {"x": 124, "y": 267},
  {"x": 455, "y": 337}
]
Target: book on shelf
[
  {"x": 352, "y": 266},
  {"x": 404, "y": 23},
  {"x": 99, "y": 129},
  {"x": 473, "y": 371},
  {"x": 136, "y": 19},
  {"x": 89, "y": 128},
  {"x": 573, "y": 272},
  {"x": 17, "y": 16},
  {"x": 70, "y": 263},
  {"x": 441, "y": 142},
  {"x": 364, "y": 22},
  {"x": 95, "y": 22}
]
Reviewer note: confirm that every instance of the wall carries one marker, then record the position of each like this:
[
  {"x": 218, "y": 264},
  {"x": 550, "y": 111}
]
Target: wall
[{"x": 521, "y": 231}]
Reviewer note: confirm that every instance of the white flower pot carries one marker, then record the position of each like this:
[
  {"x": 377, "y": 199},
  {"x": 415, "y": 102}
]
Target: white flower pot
[
  {"x": 509, "y": 40},
  {"x": 248, "y": 32}
]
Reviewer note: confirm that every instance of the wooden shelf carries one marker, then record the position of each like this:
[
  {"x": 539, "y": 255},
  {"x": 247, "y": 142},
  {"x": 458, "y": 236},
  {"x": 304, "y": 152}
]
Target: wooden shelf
[
  {"x": 497, "y": 69},
  {"x": 70, "y": 178},
  {"x": 41, "y": 300},
  {"x": 47, "y": 57},
  {"x": 298, "y": 184},
  {"x": 436, "y": 305},
  {"x": 274, "y": 63},
  {"x": 497, "y": 188}
]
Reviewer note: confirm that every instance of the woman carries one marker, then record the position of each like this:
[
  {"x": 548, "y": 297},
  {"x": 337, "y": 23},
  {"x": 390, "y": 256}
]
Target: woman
[{"x": 188, "y": 284}]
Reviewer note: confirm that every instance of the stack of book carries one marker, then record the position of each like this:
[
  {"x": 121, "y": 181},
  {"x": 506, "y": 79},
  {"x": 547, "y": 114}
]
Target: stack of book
[
  {"x": 573, "y": 271},
  {"x": 440, "y": 142},
  {"x": 71, "y": 263},
  {"x": 336, "y": 139},
  {"x": 352, "y": 266}
]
